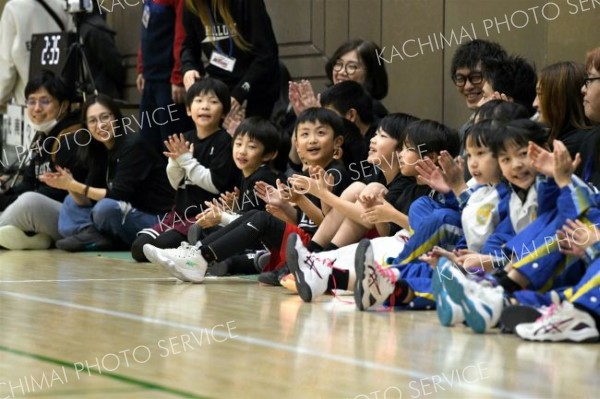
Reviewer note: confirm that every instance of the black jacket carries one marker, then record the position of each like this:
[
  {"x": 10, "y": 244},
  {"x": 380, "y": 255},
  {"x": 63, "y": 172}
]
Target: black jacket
[{"x": 259, "y": 67}]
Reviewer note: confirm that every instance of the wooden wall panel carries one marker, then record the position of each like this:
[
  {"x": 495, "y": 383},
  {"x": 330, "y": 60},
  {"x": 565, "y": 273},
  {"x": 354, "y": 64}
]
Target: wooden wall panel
[{"x": 309, "y": 31}]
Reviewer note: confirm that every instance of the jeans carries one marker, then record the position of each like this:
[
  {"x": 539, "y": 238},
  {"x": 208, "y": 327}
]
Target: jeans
[{"x": 116, "y": 219}]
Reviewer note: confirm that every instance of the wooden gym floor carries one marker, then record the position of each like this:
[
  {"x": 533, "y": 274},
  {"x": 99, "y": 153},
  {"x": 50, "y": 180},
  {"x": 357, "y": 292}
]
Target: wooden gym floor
[{"x": 102, "y": 326}]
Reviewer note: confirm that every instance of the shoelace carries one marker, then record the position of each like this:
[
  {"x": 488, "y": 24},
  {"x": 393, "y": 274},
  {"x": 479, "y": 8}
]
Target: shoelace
[
  {"x": 328, "y": 262},
  {"x": 549, "y": 313},
  {"x": 389, "y": 276},
  {"x": 186, "y": 250}
]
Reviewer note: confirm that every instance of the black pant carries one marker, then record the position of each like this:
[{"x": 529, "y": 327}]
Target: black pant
[
  {"x": 247, "y": 232},
  {"x": 169, "y": 239}
]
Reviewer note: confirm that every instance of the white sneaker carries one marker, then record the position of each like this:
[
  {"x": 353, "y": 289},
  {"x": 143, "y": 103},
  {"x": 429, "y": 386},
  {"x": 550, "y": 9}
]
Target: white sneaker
[
  {"x": 186, "y": 262},
  {"x": 481, "y": 305},
  {"x": 562, "y": 322},
  {"x": 12, "y": 237},
  {"x": 311, "y": 272},
  {"x": 374, "y": 284}
]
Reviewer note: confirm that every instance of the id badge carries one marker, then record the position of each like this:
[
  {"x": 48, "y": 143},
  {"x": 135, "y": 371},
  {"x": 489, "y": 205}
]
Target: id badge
[
  {"x": 146, "y": 16},
  {"x": 222, "y": 61}
]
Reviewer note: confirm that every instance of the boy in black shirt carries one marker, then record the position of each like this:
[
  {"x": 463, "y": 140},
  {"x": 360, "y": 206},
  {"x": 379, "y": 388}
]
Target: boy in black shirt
[{"x": 318, "y": 135}]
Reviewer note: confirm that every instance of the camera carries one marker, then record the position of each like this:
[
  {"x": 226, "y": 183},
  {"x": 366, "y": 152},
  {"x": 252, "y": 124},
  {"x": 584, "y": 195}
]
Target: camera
[{"x": 78, "y": 6}]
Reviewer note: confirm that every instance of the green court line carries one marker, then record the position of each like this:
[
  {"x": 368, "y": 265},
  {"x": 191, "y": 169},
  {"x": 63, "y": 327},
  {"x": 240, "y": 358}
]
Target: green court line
[
  {"x": 115, "y": 376},
  {"x": 120, "y": 255}
]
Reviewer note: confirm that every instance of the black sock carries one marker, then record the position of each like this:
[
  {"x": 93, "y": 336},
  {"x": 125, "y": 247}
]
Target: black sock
[
  {"x": 338, "y": 279},
  {"x": 330, "y": 247},
  {"x": 314, "y": 247},
  {"x": 401, "y": 291},
  {"x": 508, "y": 284},
  {"x": 208, "y": 254}
]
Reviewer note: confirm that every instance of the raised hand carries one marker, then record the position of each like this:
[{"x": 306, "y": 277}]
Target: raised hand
[
  {"x": 575, "y": 236},
  {"x": 177, "y": 146},
  {"x": 541, "y": 159},
  {"x": 431, "y": 175},
  {"x": 563, "y": 166}
]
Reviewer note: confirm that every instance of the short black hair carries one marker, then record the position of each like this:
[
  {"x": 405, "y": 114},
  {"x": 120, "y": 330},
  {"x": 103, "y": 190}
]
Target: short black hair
[
  {"x": 376, "y": 78},
  {"x": 501, "y": 110},
  {"x": 431, "y": 136},
  {"x": 324, "y": 116},
  {"x": 261, "y": 130},
  {"x": 54, "y": 84},
  {"x": 481, "y": 134},
  {"x": 470, "y": 54},
  {"x": 513, "y": 76},
  {"x": 395, "y": 125},
  {"x": 347, "y": 95},
  {"x": 208, "y": 85},
  {"x": 519, "y": 132}
]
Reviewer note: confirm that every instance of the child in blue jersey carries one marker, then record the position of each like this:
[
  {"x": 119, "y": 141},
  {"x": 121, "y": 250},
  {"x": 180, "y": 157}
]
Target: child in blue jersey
[
  {"x": 200, "y": 166},
  {"x": 577, "y": 317},
  {"x": 409, "y": 280},
  {"x": 546, "y": 267},
  {"x": 533, "y": 198}
]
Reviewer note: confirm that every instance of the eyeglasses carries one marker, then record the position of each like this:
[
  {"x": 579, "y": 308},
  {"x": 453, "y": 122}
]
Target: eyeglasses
[
  {"x": 103, "y": 118},
  {"x": 588, "y": 81},
  {"x": 350, "y": 67},
  {"x": 474, "y": 77},
  {"x": 43, "y": 102}
]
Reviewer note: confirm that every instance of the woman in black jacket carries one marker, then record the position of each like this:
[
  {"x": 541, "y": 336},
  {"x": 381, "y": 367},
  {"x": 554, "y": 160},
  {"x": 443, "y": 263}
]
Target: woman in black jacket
[
  {"x": 237, "y": 39},
  {"x": 125, "y": 191}
]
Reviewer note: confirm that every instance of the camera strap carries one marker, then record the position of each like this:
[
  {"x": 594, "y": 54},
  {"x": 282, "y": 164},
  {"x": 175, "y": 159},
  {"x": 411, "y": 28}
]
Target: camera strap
[{"x": 52, "y": 13}]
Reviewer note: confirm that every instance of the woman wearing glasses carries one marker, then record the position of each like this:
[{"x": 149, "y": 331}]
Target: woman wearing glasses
[
  {"x": 125, "y": 191},
  {"x": 237, "y": 39},
  {"x": 357, "y": 60},
  {"x": 28, "y": 205},
  {"x": 354, "y": 60},
  {"x": 590, "y": 148}
]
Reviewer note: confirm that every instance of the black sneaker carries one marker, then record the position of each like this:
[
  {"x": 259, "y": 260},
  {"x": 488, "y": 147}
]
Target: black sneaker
[
  {"x": 235, "y": 265},
  {"x": 514, "y": 315},
  {"x": 88, "y": 239},
  {"x": 274, "y": 277}
]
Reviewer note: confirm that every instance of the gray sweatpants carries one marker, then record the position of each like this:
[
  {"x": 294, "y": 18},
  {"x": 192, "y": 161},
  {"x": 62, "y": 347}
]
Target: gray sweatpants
[{"x": 33, "y": 212}]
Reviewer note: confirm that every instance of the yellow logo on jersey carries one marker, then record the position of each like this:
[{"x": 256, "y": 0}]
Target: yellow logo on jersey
[{"x": 484, "y": 212}]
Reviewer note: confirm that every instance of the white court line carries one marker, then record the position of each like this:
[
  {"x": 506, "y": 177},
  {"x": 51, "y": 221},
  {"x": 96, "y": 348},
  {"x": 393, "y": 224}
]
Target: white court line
[
  {"x": 92, "y": 279},
  {"x": 262, "y": 342}
]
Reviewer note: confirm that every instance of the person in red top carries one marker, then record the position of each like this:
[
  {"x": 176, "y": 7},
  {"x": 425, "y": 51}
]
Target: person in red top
[{"x": 162, "y": 109}]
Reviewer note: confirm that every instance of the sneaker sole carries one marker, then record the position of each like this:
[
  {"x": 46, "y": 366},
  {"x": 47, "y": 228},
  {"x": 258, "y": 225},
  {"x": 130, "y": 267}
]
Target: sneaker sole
[
  {"x": 514, "y": 315},
  {"x": 362, "y": 286},
  {"x": 562, "y": 337},
  {"x": 291, "y": 257},
  {"x": 471, "y": 309}
]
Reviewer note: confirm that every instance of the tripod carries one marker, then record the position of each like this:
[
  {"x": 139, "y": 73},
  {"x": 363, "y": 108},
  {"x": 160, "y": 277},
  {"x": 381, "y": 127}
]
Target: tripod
[{"x": 77, "y": 69}]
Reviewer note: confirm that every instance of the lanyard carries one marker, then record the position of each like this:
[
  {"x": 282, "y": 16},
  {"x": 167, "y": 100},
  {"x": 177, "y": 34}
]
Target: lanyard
[{"x": 213, "y": 28}]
